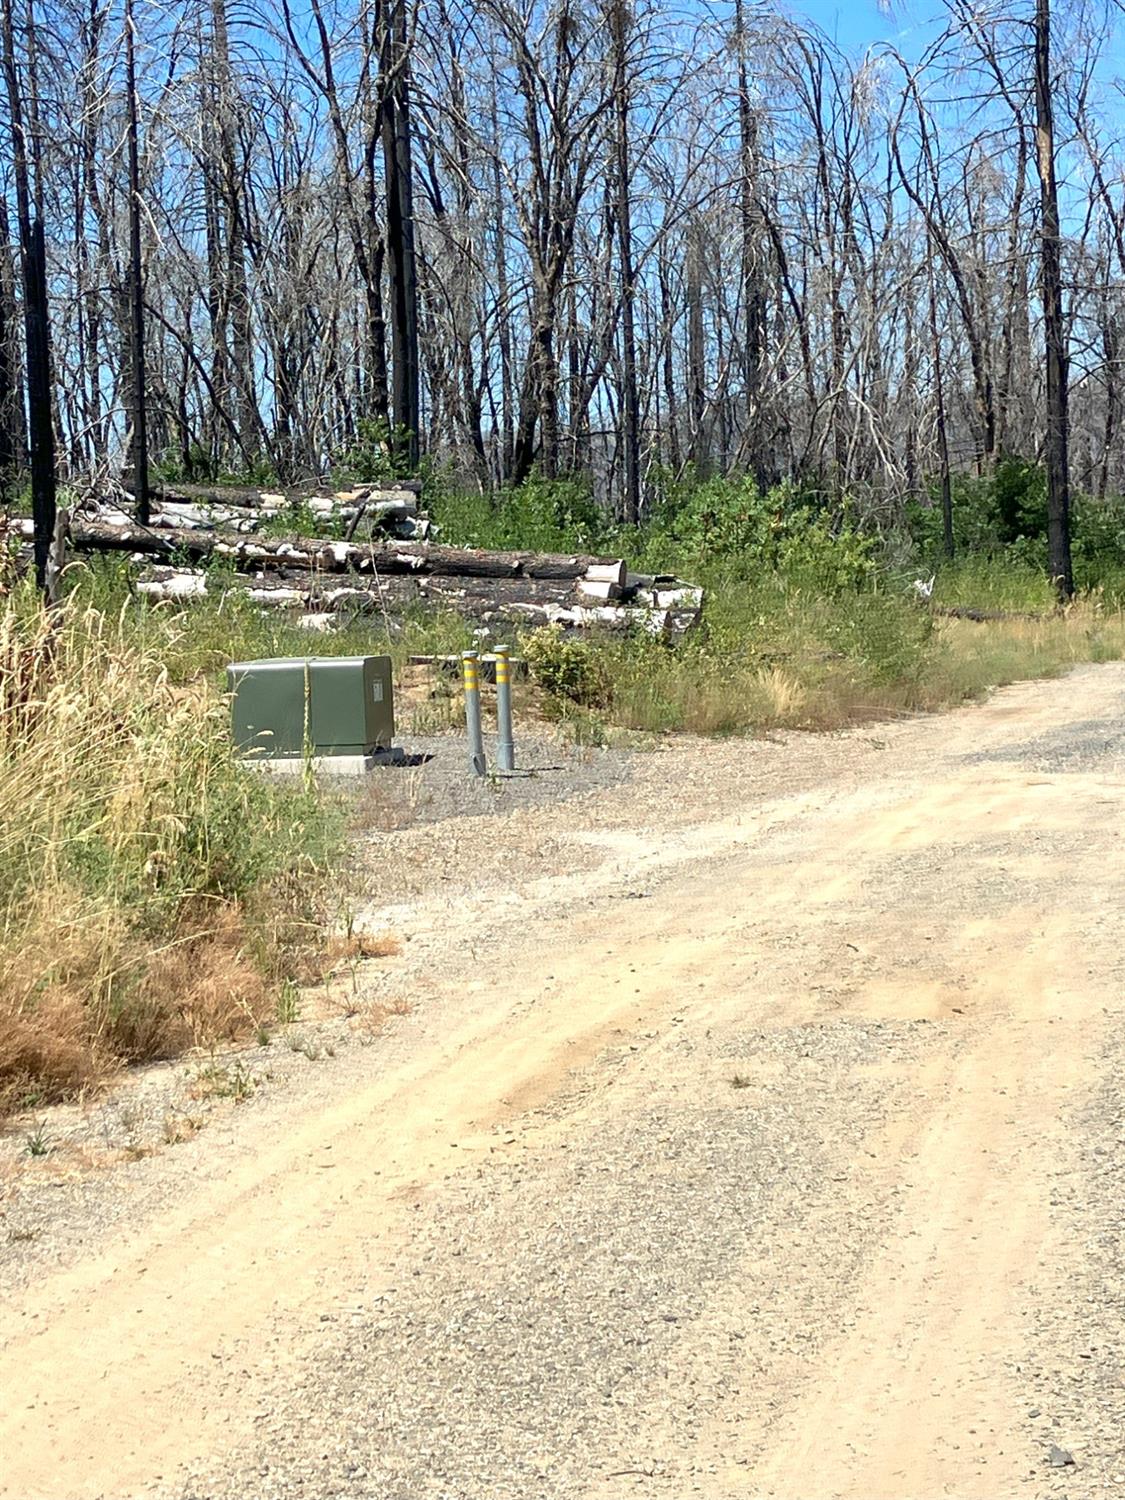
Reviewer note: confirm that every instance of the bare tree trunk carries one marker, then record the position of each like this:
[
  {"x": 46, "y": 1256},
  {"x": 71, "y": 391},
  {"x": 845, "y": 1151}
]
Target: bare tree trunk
[
  {"x": 136, "y": 281},
  {"x": 668, "y": 367},
  {"x": 620, "y": 23},
  {"x": 910, "y": 386},
  {"x": 1010, "y": 389},
  {"x": 698, "y": 446},
  {"x": 942, "y": 438},
  {"x": 13, "y": 421},
  {"x": 36, "y": 324},
  {"x": 395, "y": 109},
  {"x": 503, "y": 310},
  {"x": 1111, "y": 349},
  {"x": 1058, "y": 477},
  {"x": 216, "y": 294},
  {"x": 235, "y": 291},
  {"x": 753, "y": 290}
]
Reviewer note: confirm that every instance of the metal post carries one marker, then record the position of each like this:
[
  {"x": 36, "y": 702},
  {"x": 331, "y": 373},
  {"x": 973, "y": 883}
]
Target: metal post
[
  {"x": 471, "y": 670},
  {"x": 505, "y": 746}
]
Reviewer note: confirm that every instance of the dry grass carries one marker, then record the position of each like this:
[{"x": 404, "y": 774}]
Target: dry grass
[
  {"x": 370, "y": 1017},
  {"x": 143, "y": 875},
  {"x": 823, "y": 665},
  {"x": 334, "y": 978},
  {"x": 783, "y": 693},
  {"x": 358, "y": 945}
]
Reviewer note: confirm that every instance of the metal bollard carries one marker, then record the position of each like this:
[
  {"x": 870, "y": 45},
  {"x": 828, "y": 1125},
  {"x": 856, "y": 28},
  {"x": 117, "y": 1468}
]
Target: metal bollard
[
  {"x": 505, "y": 746},
  {"x": 471, "y": 670}
]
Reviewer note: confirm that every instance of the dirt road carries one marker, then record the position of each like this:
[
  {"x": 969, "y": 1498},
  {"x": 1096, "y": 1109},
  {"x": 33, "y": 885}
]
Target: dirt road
[{"x": 756, "y": 1129}]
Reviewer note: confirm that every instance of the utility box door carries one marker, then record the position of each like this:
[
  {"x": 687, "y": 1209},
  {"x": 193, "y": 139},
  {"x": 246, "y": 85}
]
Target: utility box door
[
  {"x": 340, "y": 705},
  {"x": 352, "y": 704}
]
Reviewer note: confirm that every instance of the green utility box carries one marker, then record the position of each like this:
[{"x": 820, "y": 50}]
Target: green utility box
[{"x": 329, "y": 705}]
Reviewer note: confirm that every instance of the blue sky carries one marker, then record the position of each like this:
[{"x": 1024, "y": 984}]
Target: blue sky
[{"x": 858, "y": 24}]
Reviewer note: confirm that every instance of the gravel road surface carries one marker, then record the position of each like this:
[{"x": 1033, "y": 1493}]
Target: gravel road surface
[{"x": 747, "y": 1121}]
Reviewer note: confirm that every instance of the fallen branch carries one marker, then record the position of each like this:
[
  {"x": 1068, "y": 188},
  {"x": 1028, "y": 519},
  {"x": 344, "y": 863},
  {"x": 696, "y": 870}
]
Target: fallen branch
[{"x": 984, "y": 616}]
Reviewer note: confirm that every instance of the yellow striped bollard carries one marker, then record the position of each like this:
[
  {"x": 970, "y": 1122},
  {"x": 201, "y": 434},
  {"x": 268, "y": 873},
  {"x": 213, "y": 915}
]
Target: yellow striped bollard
[
  {"x": 505, "y": 745},
  {"x": 470, "y": 667}
]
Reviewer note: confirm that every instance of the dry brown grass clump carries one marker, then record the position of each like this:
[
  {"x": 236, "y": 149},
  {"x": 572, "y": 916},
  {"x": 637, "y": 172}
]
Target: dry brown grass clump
[{"x": 141, "y": 869}]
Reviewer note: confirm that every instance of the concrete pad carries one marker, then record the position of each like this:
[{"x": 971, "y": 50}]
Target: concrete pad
[{"x": 330, "y": 765}]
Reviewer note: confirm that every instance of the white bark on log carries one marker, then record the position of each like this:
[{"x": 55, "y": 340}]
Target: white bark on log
[
  {"x": 594, "y": 589},
  {"x": 382, "y": 556},
  {"x": 251, "y": 497},
  {"x": 614, "y": 572},
  {"x": 520, "y": 601},
  {"x": 195, "y": 516}
]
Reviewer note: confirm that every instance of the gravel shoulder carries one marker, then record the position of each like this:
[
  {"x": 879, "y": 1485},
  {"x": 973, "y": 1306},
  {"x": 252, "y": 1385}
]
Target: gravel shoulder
[{"x": 739, "y": 1119}]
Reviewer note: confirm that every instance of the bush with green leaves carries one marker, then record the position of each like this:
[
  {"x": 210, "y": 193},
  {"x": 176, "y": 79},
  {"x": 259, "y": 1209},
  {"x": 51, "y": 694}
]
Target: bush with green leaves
[
  {"x": 195, "y": 465},
  {"x": 566, "y": 669},
  {"x": 991, "y": 512},
  {"x": 541, "y": 515},
  {"x": 780, "y": 531},
  {"x": 1000, "y": 538},
  {"x": 887, "y": 637},
  {"x": 376, "y": 453},
  {"x": 299, "y": 519}
]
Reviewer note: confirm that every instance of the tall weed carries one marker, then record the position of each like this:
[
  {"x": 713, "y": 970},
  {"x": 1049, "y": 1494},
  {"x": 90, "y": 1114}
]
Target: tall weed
[{"x": 146, "y": 879}]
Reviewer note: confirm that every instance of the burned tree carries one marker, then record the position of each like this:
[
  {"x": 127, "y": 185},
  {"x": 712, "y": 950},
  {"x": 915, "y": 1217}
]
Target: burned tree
[
  {"x": 20, "y": 79},
  {"x": 136, "y": 278},
  {"x": 1050, "y": 264}
]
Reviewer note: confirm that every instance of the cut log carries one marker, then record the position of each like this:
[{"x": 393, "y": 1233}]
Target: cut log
[
  {"x": 375, "y": 514},
  {"x": 176, "y": 586},
  {"x": 593, "y": 589},
  {"x": 614, "y": 572},
  {"x": 315, "y": 555},
  {"x": 394, "y": 590},
  {"x": 518, "y": 602},
  {"x": 685, "y": 597},
  {"x": 253, "y": 497},
  {"x": 983, "y": 616}
]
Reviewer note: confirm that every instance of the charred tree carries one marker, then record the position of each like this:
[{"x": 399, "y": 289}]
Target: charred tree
[
  {"x": 29, "y": 216},
  {"x": 398, "y": 167},
  {"x": 1050, "y": 282},
  {"x": 629, "y": 404},
  {"x": 13, "y": 421},
  {"x": 940, "y": 424},
  {"x": 136, "y": 279},
  {"x": 753, "y": 287}
]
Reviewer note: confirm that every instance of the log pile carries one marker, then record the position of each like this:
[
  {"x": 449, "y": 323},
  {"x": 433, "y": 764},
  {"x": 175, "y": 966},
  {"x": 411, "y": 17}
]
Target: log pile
[
  {"x": 660, "y": 606},
  {"x": 323, "y": 580},
  {"x": 362, "y": 510}
]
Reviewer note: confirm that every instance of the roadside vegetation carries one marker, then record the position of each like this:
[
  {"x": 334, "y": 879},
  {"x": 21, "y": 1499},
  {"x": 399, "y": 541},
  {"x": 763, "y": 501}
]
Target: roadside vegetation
[
  {"x": 813, "y": 619},
  {"x": 151, "y": 892},
  {"x": 155, "y": 896}
]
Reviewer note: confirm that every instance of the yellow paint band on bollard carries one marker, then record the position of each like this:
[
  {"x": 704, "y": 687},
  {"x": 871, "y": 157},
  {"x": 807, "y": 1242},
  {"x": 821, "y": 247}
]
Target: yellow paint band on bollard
[
  {"x": 501, "y": 670},
  {"x": 472, "y": 681}
]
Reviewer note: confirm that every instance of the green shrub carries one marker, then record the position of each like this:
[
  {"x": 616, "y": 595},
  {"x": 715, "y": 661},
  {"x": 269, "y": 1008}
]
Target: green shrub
[
  {"x": 377, "y": 452},
  {"x": 542, "y": 515},
  {"x": 1019, "y": 489},
  {"x": 566, "y": 669},
  {"x": 299, "y": 519},
  {"x": 731, "y": 521},
  {"x": 887, "y": 637}
]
